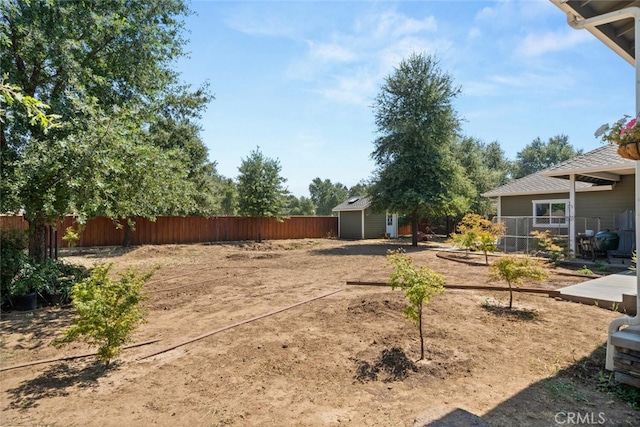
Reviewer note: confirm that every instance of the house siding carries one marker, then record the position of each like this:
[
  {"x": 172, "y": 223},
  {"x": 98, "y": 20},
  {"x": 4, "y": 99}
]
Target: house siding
[
  {"x": 591, "y": 204},
  {"x": 522, "y": 205},
  {"x": 375, "y": 225},
  {"x": 606, "y": 204},
  {"x": 351, "y": 225}
]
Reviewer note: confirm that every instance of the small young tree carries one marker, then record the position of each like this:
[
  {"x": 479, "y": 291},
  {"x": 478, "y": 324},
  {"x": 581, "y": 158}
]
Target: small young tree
[
  {"x": 108, "y": 311},
  {"x": 548, "y": 244},
  {"x": 418, "y": 285},
  {"x": 514, "y": 269},
  {"x": 476, "y": 232}
]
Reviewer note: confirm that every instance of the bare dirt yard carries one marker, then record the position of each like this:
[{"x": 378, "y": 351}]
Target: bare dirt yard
[{"x": 349, "y": 358}]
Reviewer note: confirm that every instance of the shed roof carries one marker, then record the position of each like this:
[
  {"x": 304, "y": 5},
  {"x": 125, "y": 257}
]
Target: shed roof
[{"x": 357, "y": 203}]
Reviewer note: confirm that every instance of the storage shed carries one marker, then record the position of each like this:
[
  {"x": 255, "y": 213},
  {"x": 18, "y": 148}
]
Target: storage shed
[{"x": 357, "y": 221}]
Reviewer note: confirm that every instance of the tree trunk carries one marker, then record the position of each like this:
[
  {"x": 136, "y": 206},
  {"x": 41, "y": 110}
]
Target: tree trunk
[
  {"x": 414, "y": 228},
  {"x": 510, "y": 296},
  {"x": 37, "y": 243},
  {"x": 421, "y": 335},
  {"x": 128, "y": 230}
]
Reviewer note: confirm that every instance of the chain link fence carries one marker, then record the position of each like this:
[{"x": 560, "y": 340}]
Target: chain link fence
[{"x": 519, "y": 231}]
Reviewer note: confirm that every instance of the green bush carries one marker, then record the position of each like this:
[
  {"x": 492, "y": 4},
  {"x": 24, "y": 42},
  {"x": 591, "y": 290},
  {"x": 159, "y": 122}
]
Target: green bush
[
  {"x": 51, "y": 279},
  {"x": 108, "y": 311},
  {"x": 58, "y": 279},
  {"x": 13, "y": 256}
]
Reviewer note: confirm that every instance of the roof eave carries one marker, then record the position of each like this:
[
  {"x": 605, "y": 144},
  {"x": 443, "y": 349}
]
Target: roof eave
[{"x": 534, "y": 193}]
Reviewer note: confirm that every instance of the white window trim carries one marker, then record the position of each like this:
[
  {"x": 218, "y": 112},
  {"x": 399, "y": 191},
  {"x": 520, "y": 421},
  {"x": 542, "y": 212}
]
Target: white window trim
[{"x": 549, "y": 224}]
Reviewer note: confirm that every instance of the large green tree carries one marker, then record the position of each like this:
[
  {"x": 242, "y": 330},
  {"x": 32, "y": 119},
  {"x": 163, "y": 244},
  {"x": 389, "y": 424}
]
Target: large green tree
[
  {"x": 540, "y": 155},
  {"x": 486, "y": 167},
  {"x": 104, "y": 67},
  {"x": 417, "y": 172},
  {"x": 326, "y": 195},
  {"x": 360, "y": 189},
  {"x": 300, "y": 206},
  {"x": 261, "y": 191}
]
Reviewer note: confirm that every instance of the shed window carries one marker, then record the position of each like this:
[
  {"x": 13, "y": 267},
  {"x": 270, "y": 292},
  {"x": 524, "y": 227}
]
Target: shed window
[{"x": 550, "y": 213}]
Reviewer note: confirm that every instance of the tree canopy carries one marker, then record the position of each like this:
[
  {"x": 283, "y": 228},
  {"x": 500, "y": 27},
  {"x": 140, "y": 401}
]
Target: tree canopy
[
  {"x": 105, "y": 71},
  {"x": 540, "y": 155},
  {"x": 326, "y": 195},
  {"x": 261, "y": 191},
  {"x": 486, "y": 167},
  {"x": 417, "y": 172}
]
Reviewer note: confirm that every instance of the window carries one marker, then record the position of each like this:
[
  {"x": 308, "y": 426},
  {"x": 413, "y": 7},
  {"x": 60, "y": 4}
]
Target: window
[{"x": 550, "y": 213}]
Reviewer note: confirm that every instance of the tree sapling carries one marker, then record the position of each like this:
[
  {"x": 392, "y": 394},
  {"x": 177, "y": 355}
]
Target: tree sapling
[{"x": 418, "y": 284}]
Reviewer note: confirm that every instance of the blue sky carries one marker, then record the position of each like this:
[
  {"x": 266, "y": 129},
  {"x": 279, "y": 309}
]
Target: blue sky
[{"x": 298, "y": 78}]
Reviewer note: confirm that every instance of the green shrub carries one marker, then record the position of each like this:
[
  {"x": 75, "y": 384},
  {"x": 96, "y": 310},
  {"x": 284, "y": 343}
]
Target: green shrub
[
  {"x": 513, "y": 270},
  {"x": 59, "y": 279},
  {"x": 108, "y": 311},
  {"x": 548, "y": 244},
  {"x": 475, "y": 232},
  {"x": 52, "y": 279},
  {"x": 13, "y": 256}
]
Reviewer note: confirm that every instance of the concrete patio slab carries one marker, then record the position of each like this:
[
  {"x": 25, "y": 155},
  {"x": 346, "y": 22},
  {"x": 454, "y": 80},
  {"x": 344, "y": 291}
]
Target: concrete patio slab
[{"x": 615, "y": 291}]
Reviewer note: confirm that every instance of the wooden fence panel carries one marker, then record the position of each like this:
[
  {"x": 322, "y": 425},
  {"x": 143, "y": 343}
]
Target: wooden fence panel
[
  {"x": 13, "y": 222},
  {"x": 181, "y": 230}
]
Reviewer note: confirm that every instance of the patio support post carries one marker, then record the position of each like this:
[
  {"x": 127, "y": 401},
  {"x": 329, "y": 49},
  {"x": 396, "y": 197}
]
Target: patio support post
[
  {"x": 616, "y": 324},
  {"x": 572, "y": 215}
]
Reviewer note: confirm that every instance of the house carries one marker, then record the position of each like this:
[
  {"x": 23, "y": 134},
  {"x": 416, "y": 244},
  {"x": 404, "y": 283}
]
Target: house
[
  {"x": 356, "y": 220},
  {"x": 593, "y": 191}
]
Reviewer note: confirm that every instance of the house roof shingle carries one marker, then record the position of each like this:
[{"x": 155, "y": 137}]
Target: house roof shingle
[
  {"x": 535, "y": 184},
  {"x": 592, "y": 170},
  {"x": 603, "y": 158}
]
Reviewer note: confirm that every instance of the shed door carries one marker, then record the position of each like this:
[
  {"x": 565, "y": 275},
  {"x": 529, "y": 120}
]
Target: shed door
[
  {"x": 392, "y": 225},
  {"x": 351, "y": 225}
]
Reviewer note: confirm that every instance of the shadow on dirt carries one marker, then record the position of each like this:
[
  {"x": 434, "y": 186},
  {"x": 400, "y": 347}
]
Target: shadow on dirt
[
  {"x": 57, "y": 380},
  {"x": 36, "y": 329},
  {"x": 584, "y": 388},
  {"x": 392, "y": 365},
  {"x": 97, "y": 252},
  {"x": 374, "y": 248},
  {"x": 524, "y": 314}
]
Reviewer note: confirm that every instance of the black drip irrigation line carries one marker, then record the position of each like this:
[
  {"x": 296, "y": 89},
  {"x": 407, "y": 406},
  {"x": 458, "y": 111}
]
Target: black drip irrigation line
[
  {"x": 549, "y": 292},
  {"x": 242, "y": 322},
  {"x": 74, "y": 356}
]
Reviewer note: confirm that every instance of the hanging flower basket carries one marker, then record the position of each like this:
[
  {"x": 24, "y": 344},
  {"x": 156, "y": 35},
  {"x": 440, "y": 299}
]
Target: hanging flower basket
[
  {"x": 630, "y": 150},
  {"x": 625, "y": 134}
]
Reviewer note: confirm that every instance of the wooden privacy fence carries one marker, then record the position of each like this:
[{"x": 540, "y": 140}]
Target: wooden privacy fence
[{"x": 172, "y": 230}]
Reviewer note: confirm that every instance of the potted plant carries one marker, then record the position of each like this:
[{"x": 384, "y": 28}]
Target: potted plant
[
  {"x": 625, "y": 133},
  {"x": 24, "y": 288}
]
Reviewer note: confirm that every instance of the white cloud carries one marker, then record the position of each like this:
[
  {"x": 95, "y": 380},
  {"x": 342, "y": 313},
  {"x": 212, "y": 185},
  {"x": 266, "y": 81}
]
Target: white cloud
[
  {"x": 394, "y": 24},
  {"x": 329, "y": 52},
  {"x": 270, "y": 26},
  {"x": 358, "y": 88},
  {"x": 553, "y": 41}
]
